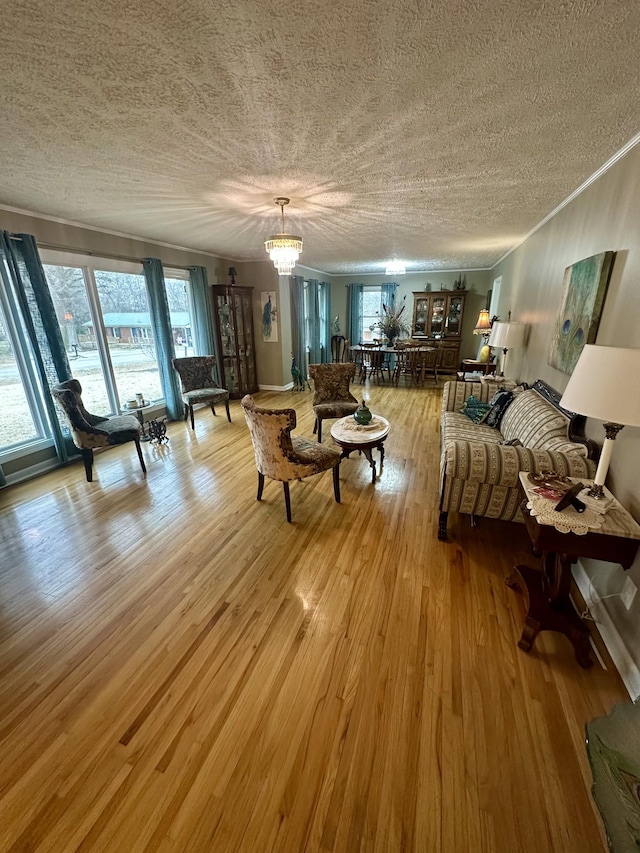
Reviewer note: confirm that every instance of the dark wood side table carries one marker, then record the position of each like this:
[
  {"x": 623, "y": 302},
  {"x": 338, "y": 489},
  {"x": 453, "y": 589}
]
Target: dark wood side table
[
  {"x": 470, "y": 366},
  {"x": 549, "y": 607},
  {"x": 350, "y": 436}
]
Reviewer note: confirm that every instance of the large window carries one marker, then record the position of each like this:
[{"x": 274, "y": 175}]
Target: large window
[
  {"x": 103, "y": 312},
  {"x": 371, "y": 310},
  {"x": 316, "y": 321},
  {"x": 105, "y": 320},
  {"x": 22, "y": 419}
]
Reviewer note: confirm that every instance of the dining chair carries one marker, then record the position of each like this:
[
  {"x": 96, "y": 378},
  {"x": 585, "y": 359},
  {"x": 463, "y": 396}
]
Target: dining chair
[
  {"x": 285, "y": 457},
  {"x": 92, "y": 432},
  {"x": 198, "y": 384}
]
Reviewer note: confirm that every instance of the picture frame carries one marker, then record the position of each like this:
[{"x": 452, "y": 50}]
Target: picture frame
[{"x": 584, "y": 290}]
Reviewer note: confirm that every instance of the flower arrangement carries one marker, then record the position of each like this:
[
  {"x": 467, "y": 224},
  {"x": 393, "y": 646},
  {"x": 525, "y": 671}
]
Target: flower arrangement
[{"x": 391, "y": 322}]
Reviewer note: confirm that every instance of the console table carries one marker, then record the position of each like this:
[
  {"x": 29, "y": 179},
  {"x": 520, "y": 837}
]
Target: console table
[{"x": 547, "y": 590}]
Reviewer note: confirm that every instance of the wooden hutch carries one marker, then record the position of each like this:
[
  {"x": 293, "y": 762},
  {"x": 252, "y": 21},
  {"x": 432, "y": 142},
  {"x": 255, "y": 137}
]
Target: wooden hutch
[
  {"x": 437, "y": 316},
  {"x": 235, "y": 345}
]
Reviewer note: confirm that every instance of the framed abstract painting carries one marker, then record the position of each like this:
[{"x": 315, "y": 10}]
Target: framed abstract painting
[{"x": 583, "y": 293}]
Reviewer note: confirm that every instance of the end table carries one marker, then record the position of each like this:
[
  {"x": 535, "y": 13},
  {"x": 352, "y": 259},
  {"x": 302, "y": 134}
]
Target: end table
[{"x": 547, "y": 591}]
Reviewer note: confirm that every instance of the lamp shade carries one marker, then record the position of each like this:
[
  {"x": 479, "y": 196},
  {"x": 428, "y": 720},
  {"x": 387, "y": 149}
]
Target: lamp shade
[
  {"x": 483, "y": 326},
  {"x": 599, "y": 386},
  {"x": 507, "y": 335}
]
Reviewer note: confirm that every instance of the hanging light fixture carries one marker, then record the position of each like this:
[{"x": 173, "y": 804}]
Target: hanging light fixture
[
  {"x": 395, "y": 268},
  {"x": 284, "y": 249}
]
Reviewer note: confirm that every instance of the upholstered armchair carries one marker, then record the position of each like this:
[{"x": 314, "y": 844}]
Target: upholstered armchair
[
  {"x": 198, "y": 384},
  {"x": 332, "y": 398},
  {"x": 90, "y": 432},
  {"x": 285, "y": 457}
]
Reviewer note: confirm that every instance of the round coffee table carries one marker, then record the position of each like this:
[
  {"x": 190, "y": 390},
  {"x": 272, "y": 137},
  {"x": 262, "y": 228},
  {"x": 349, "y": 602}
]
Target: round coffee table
[{"x": 350, "y": 436}]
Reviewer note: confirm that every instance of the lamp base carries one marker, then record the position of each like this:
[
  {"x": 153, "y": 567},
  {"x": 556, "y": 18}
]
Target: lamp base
[
  {"x": 596, "y": 492},
  {"x": 485, "y": 354}
]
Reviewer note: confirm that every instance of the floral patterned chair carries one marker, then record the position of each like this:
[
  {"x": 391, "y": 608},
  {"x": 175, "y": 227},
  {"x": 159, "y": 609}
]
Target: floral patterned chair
[
  {"x": 332, "y": 398},
  {"x": 285, "y": 457},
  {"x": 198, "y": 384},
  {"x": 93, "y": 431}
]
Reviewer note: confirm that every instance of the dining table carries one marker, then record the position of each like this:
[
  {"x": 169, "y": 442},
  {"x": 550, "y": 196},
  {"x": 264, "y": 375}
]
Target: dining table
[{"x": 376, "y": 366}]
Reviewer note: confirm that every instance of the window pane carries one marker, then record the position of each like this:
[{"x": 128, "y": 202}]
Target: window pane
[
  {"x": 127, "y": 322},
  {"x": 16, "y": 422},
  {"x": 371, "y": 307},
  {"x": 68, "y": 291},
  {"x": 181, "y": 320}
]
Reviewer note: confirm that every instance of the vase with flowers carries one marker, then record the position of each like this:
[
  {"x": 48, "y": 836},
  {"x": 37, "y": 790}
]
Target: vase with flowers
[{"x": 391, "y": 322}]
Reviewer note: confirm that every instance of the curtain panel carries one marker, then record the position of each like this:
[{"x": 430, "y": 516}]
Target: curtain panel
[
  {"x": 313, "y": 322},
  {"x": 389, "y": 294},
  {"x": 299, "y": 353},
  {"x": 163, "y": 335},
  {"x": 324, "y": 297},
  {"x": 203, "y": 320},
  {"x": 40, "y": 324},
  {"x": 355, "y": 313}
]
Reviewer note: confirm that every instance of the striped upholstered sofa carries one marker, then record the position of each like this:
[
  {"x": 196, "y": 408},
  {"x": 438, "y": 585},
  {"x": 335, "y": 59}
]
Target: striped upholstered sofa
[{"x": 479, "y": 472}]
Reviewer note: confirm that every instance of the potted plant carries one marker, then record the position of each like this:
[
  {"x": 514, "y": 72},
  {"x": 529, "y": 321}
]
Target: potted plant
[{"x": 391, "y": 322}]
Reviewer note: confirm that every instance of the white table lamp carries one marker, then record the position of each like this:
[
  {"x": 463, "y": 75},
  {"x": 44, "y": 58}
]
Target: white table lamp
[
  {"x": 507, "y": 335},
  {"x": 599, "y": 387}
]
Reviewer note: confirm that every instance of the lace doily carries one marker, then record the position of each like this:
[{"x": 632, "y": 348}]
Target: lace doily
[
  {"x": 351, "y": 425},
  {"x": 567, "y": 521}
]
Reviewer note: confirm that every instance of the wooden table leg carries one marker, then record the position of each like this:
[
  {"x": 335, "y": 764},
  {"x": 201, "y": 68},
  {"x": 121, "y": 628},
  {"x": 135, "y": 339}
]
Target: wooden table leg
[
  {"x": 549, "y": 607},
  {"x": 369, "y": 457}
]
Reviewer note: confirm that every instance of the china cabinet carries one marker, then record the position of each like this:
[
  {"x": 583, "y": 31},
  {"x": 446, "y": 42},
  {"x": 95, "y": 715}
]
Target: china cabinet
[
  {"x": 232, "y": 310},
  {"x": 437, "y": 316}
]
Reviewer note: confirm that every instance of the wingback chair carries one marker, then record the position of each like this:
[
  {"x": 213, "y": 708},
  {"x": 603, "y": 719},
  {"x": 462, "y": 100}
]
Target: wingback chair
[
  {"x": 332, "y": 398},
  {"x": 285, "y": 457},
  {"x": 93, "y": 431},
  {"x": 198, "y": 384}
]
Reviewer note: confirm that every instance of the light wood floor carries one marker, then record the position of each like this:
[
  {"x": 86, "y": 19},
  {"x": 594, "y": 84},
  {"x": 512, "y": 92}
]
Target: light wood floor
[{"x": 181, "y": 670}]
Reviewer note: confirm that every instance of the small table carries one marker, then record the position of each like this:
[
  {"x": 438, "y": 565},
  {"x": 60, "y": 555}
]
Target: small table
[
  {"x": 350, "y": 435},
  {"x": 138, "y": 412},
  {"x": 547, "y": 591},
  {"x": 469, "y": 365}
]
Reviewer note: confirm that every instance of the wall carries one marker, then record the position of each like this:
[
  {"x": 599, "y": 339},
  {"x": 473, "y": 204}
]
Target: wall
[
  {"x": 605, "y": 216},
  {"x": 478, "y": 284},
  {"x": 273, "y": 359}
]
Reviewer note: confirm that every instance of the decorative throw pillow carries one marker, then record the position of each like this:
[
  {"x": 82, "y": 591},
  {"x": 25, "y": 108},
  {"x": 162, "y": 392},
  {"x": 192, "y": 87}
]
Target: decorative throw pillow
[
  {"x": 498, "y": 406},
  {"x": 475, "y": 409}
]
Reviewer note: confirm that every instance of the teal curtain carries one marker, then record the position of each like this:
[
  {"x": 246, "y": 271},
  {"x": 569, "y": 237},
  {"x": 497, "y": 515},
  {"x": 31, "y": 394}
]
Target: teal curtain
[
  {"x": 324, "y": 299},
  {"x": 299, "y": 350},
  {"x": 161, "y": 325},
  {"x": 40, "y": 324},
  {"x": 389, "y": 294},
  {"x": 313, "y": 322},
  {"x": 355, "y": 313},
  {"x": 203, "y": 320}
]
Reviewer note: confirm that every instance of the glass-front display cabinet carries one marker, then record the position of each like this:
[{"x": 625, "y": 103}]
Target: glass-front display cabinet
[
  {"x": 437, "y": 316},
  {"x": 232, "y": 310}
]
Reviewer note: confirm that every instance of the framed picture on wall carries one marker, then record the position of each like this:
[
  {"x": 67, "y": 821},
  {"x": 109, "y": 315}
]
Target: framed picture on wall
[
  {"x": 584, "y": 289},
  {"x": 269, "y": 316}
]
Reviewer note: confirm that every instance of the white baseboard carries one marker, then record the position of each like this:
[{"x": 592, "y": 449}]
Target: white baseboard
[
  {"x": 287, "y": 387},
  {"x": 620, "y": 656},
  {"x": 32, "y": 471}
]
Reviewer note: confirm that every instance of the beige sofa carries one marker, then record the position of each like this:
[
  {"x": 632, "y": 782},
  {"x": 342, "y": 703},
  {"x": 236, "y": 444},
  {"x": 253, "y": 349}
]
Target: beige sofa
[{"x": 479, "y": 472}]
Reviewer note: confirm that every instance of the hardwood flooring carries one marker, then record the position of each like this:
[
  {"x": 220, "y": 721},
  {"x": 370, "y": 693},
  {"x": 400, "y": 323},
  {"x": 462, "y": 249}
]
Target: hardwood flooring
[{"x": 182, "y": 670}]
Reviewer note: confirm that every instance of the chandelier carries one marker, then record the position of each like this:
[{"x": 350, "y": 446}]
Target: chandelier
[{"x": 284, "y": 249}]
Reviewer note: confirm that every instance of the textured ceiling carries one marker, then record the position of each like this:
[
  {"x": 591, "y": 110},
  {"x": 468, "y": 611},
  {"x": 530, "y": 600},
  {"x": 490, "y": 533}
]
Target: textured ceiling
[{"x": 435, "y": 132}]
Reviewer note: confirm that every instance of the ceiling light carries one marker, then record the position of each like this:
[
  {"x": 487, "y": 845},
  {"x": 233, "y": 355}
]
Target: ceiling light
[
  {"x": 395, "y": 268},
  {"x": 284, "y": 249}
]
